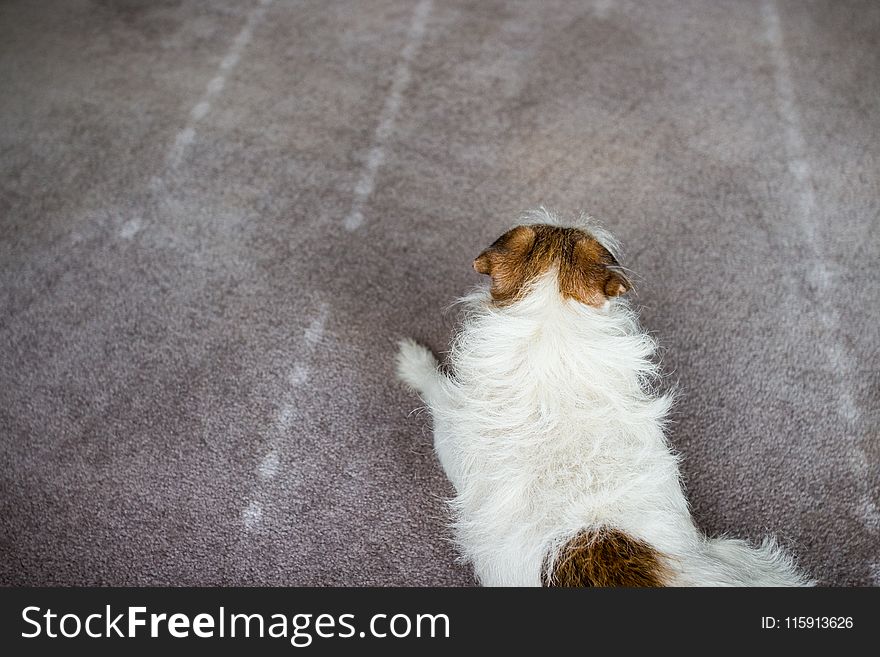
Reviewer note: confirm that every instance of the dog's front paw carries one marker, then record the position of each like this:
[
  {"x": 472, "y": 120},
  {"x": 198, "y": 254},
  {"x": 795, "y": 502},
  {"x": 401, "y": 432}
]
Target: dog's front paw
[{"x": 416, "y": 365}]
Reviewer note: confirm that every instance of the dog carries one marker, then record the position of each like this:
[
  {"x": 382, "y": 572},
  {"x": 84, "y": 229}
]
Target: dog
[{"x": 551, "y": 428}]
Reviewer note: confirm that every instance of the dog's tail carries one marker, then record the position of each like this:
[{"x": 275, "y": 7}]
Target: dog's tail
[{"x": 731, "y": 562}]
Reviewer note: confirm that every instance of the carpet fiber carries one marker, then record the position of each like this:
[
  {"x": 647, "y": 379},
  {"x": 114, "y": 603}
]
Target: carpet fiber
[{"x": 216, "y": 219}]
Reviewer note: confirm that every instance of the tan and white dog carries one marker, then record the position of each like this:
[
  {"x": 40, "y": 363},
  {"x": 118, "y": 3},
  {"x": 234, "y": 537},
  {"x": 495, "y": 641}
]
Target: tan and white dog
[{"x": 552, "y": 433}]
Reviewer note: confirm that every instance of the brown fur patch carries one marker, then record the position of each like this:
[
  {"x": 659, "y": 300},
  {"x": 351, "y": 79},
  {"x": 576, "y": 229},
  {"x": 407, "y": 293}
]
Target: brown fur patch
[
  {"x": 608, "y": 557},
  {"x": 586, "y": 270}
]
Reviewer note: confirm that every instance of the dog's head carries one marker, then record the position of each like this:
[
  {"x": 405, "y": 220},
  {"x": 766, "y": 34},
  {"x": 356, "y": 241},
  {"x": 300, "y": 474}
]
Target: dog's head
[{"x": 585, "y": 269}]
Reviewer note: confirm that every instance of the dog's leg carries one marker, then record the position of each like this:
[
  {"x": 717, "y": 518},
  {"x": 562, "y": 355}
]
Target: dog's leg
[{"x": 418, "y": 368}]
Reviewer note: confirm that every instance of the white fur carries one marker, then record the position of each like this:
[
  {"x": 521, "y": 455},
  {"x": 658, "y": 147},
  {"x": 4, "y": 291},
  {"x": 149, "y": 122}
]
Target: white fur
[{"x": 550, "y": 425}]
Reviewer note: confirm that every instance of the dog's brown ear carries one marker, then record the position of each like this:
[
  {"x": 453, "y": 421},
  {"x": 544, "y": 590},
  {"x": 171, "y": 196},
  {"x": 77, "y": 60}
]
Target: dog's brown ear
[
  {"x": 506, "y": 261},
  {"x": 594, "y": 275},
  {"x": 616, "y": 281}
]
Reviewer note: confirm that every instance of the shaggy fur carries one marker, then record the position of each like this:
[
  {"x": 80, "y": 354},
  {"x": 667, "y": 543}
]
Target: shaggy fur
[{"x": 551, "y": 430}]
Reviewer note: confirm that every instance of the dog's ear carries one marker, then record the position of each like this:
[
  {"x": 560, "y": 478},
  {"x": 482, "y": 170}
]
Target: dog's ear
[
  {"x": 595, "y": 275},
  {"x": 616, "y": 281},
  {"x": 506, "y": 261}
]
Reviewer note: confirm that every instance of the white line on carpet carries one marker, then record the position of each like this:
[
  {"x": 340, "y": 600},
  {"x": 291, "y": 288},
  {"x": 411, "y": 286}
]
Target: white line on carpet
[
  {"x": 268, "y": 466},
  {"x": 187, "y": 135},
  {"x": 399, "y": 82},
  {"x": 252, "y": 514},
  {"x": 602, "y": 7},
  {"x": 799, "y": 168},
  {"x": 796, "y": 147},
  {"x": 806, "y": 209},
  {"x": 130, "y": 228}
]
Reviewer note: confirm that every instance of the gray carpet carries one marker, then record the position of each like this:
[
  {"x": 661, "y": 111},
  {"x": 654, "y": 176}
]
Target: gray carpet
[{"x": 216, "y": 218}]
